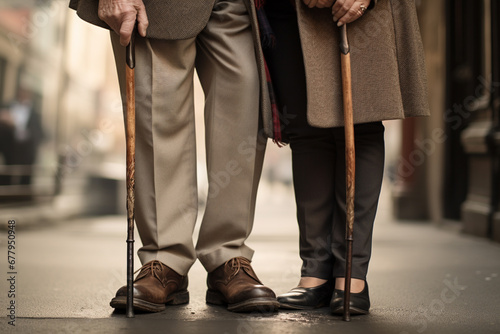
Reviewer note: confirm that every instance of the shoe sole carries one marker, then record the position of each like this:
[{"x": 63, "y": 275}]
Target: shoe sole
[
  {"x": 261, "y": 305},
  {"x": 287, "y": 306},
  {"x": 140, "y": 305},
  {"x": 353, "y": 311}
]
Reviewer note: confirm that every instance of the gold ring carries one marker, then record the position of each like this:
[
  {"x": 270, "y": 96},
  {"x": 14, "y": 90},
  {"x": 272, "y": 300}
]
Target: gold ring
[{"x": 363, "y": 9}]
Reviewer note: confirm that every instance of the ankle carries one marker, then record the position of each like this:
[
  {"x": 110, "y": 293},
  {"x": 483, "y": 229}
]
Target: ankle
[
  {"x": 311, "y": 282},
  {"x": 357, "y": 285}
]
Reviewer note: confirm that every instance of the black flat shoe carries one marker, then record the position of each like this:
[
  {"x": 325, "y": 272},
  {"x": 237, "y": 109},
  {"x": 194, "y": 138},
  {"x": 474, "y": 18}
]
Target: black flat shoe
[
  {"x": 359, "y": 303},
  {"x": 306, "y": 298}
]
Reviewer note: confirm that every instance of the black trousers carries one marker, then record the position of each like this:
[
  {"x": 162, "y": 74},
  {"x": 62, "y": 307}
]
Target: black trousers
[{"x": 318, "y": 161}]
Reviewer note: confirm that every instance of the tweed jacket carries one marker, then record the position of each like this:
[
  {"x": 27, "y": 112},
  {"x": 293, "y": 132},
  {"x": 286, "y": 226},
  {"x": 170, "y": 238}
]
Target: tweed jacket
[
  {"x": 387, "y": 59},
  {"x": 168, "y": 19}
]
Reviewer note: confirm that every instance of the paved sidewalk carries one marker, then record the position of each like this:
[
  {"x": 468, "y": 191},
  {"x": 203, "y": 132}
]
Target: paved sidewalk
[{"x": 422, "y": 279}]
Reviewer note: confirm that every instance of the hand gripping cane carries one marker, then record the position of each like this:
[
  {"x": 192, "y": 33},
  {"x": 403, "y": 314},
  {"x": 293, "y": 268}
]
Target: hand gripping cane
[
  {"x": 130, "y": 133},
  {"x": 345, "y": 58}
]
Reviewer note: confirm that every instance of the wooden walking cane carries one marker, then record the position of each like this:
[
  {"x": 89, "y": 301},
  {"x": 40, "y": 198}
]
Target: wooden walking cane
[
  {"x": 130, "y": 133},
  {"x": 345, "y": 58}
]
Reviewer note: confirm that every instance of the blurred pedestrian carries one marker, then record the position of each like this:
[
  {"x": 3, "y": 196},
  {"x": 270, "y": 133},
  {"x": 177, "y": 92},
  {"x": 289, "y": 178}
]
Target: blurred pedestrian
[
  {"x": 22, "y": 134},
  {"x": 6, "y": 141}
]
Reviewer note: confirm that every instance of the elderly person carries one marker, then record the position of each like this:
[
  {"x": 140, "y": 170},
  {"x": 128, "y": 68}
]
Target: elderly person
[
  {"x": 215, "y": 37},
  {"x": 388, "y": 80}
]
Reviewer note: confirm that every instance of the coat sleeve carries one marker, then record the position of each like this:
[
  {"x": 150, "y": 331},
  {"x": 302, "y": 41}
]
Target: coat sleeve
[
  {"x": 168, "y": 19},
  {"x": 87, "y": 11}
]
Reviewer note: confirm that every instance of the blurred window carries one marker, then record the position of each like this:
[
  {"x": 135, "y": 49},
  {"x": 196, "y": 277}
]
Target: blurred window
[
  {"x": 3, "y": 65},
  {"x": 465, "y": 64}
]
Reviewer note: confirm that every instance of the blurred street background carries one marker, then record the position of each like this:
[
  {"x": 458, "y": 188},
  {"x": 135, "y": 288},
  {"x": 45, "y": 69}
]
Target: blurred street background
[{"x": 62, "y": 180}]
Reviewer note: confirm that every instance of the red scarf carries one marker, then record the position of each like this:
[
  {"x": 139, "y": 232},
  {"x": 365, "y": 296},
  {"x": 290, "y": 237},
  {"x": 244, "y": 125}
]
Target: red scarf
[{"x": 267, "y": 40}]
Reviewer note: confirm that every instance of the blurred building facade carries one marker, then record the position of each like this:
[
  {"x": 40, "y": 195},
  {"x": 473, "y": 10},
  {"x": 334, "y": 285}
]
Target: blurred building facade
[
  {"x": 448, "y": 167},
  {"x": 67, "y": 68}
]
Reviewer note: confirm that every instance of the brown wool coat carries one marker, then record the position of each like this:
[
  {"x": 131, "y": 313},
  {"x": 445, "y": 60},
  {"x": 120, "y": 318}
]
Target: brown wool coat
[
  {"x": 388, "y": 68},
  {"x": 389, "y": 79}
]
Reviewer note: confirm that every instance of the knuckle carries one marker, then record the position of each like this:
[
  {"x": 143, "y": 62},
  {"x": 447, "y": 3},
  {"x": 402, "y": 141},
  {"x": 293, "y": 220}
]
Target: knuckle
[
  {"x": 101, "y": 14},
  {"x": 129, "y": 12}
]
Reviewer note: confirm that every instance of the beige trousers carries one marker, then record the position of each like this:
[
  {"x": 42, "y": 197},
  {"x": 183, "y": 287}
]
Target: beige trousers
[{"x": 166, "y": 186}]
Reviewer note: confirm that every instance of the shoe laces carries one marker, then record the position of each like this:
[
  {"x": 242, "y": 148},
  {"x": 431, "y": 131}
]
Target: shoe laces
[
  {"x": 153, "y": 268},
  {"x": 236, "y": 264}
]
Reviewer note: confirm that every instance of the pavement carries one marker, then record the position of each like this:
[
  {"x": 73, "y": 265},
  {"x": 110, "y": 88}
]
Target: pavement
[{"x": 422, "y": 278}]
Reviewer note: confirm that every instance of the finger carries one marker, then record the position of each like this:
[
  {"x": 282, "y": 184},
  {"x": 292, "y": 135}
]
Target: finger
[
  {"x": 352, "y": 15},
  {"x": 324, "y": 3},
  {"x": 311, "y": 3},
  {"x": 142, "y": 20},
  {"x": 320, "y": 4},
  {"x": 126, "y": 30},
  {"x": 340, "y": 8},
  {"x": 338, "y": 5}
]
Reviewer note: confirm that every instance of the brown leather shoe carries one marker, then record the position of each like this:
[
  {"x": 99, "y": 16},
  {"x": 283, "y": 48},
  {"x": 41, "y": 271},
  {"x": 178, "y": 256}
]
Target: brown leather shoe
[
  {"x": 236, "y": 285},
  {"x": 154, "y": 287}
]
